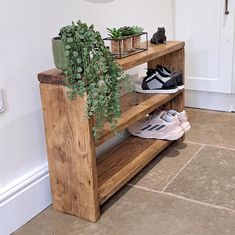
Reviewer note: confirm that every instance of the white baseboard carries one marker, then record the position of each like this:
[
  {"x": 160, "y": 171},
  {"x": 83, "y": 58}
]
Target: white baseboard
[
  {"x": 23, "y": 199},
  {"x": 210, "y": 100}
]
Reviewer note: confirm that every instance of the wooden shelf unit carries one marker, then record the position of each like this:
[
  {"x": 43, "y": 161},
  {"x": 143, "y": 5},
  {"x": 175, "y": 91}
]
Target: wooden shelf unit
[{"x": 80, "y": 183}]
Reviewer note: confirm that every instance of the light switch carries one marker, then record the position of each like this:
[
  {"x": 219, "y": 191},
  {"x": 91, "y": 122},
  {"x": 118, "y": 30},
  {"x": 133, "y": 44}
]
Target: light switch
[{"x": 1, "y": 101}]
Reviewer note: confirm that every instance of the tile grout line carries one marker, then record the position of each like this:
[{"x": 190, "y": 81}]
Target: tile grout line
[
  {"x": 182, "y": 198},
  {"x": 190, "y": 160},
  {"x": 210, "y": 145}
]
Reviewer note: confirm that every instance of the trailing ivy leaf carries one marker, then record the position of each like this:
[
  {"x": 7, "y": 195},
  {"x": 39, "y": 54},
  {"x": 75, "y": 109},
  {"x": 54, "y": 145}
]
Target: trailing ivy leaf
[
  {"x": 66, "y": 53},
  {"x": 70, "y": 40},
  {"x": 79, "y": 60},
  {"x": 93, "y": 71},
  {"x": 79, "y": 69},
  {"x": 78, "y": 75},
  {"x": 75, "y": 54}
]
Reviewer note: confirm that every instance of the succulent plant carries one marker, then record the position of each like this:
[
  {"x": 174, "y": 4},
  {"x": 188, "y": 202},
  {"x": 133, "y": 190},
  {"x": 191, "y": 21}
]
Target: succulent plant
[
  {"x": 126, "y": 31},
  {"x": 114, "y": 33},
  {"x": 137, "y": 29}
]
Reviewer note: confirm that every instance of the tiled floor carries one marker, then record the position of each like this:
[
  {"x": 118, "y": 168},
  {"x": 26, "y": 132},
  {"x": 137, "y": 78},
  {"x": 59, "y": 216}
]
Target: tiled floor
[{"x": 188, "y": 190}]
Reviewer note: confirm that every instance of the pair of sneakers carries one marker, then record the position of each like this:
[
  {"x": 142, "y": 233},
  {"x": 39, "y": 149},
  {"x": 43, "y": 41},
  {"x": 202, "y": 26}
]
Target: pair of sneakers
[
  {"x": 168, "y": 125},
  {"x": 160, "y": 80}
]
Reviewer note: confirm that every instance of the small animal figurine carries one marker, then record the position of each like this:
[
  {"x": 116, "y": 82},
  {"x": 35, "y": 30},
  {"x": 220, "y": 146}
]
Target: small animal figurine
[{"x": 159, "y": 36}]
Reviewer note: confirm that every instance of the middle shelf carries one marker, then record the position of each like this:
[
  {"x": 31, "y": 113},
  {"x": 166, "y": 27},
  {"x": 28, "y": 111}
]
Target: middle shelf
[{"x": 134, "y": 107}]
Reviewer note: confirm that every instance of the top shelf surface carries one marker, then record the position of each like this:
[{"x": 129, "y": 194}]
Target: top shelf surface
[{"x": 55, "y": 76}]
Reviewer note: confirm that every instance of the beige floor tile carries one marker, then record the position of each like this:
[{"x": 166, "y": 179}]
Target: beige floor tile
[
  {"x": 210, "y": 127},
  {"x": 137, "y": 212},
  {"x": 210, "y": 178},
  {"x": 165, "y": 166}
]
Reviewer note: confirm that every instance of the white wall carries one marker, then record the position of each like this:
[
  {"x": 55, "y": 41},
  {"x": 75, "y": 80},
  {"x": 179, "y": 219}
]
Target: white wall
[{"x": 26, "y": 29}]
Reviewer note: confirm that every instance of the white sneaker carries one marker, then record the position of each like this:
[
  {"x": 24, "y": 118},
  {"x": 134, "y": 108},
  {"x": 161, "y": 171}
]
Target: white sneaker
[
  {"x": 183, "y": 118},
  {"x": 158, "y": 126}
]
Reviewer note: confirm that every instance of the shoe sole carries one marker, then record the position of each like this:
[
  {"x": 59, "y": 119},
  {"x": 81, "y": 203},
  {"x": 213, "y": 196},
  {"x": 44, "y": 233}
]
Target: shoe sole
[
  {"x": 170, "y": 91},
  {"x": 186, "y": 126},
  {"x": 180, "y": 87},
  {"x": 173, "y": 136},
  {"x": 187, "y": 129}
]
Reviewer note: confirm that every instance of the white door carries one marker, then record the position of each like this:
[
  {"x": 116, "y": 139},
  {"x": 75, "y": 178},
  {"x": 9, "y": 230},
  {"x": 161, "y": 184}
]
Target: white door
[{"x": 209, "y": 35}]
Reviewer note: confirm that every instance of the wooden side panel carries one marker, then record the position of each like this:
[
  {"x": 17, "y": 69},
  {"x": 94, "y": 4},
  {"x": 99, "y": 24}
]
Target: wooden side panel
[{"x": 71, "y": 154}]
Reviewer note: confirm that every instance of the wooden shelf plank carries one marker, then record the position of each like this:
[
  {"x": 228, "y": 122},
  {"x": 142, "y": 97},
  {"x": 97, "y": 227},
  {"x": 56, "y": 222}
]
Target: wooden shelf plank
[
  {"x": 52, "y": 76},
  {"x": 118, "y": 166},
  {"x": 134, "y": 107},
  {"x": 55, "y": 76},
  {"x": 153, "y": 52}
]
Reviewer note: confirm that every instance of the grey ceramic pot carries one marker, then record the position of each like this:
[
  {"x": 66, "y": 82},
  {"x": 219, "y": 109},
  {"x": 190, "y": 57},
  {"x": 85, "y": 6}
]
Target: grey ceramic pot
[{"x": 58, "y": 53}]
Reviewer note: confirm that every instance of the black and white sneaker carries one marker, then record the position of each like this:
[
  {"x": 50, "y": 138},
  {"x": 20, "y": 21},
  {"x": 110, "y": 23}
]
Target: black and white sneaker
[
  {"x": 165, "y": 72},
  {"x": 155, "y": 83}
]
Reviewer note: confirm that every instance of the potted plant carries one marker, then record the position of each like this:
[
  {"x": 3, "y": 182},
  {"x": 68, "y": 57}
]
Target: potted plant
[
  {"x": 58, "y": 53},
  {"x": 91, "y": 69},
  {"x": 126, "y": 33},
  {"x": 136, "y": 39},
  {"x": 116, "y": 42}
]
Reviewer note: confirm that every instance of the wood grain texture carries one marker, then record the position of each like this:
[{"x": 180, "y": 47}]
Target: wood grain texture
[
  {"x": 134, "y": 107},
  {"x": 119, "y": 165},
  {"x": 55, "y": 76},
  {"x": 79, "y": 184},
  {"x": 52, "y": 76},
  {"x": 71, "y": 153}
]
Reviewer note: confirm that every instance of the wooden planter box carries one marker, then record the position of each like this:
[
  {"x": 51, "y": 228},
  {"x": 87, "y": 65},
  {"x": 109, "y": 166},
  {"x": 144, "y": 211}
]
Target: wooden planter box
[
  {"x": 127, "y": 46},
  {"x": 80, "y": 183}
]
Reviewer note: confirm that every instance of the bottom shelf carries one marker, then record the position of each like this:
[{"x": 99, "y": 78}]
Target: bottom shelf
[{"x": 119, "y": 165}]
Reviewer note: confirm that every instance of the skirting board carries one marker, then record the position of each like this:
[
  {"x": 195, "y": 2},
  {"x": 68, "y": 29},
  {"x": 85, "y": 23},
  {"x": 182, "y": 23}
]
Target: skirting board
[
  {"x": 27, "y": 196},
  {"x": 210, "y": 100},
  {"x": 23, "y": 199}
]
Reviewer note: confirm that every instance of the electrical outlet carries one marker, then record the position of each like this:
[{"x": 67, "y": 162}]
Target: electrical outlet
[{"x": 1, "y": 101}]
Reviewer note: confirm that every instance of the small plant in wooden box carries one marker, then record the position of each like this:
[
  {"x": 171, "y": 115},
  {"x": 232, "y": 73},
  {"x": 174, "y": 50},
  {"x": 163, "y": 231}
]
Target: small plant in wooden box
[
  {"x": 126, "y": 33},
  {"x": 126, "y": 41},
  {"x": 136, "y": 38},
  {"x": 116, "y": 43}
]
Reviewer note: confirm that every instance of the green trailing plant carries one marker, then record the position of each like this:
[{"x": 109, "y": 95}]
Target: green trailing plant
[
  {"x": 114, "y": 33},
  {"x": 92, "y": 70}
]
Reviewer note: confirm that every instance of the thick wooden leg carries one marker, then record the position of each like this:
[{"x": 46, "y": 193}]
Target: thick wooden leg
[{"x": 71, "y": 153}]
